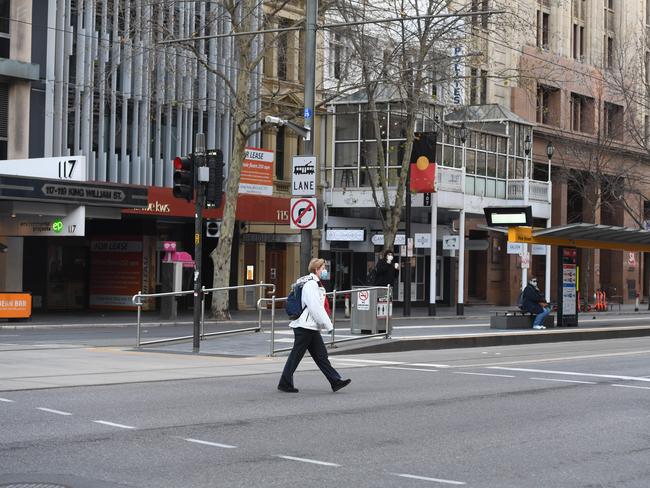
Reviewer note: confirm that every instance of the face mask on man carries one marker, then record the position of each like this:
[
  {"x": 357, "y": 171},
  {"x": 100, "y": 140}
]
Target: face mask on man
[{"x": 389, "y": 258}]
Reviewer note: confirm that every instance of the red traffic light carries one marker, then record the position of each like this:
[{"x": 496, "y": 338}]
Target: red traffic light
[{"x": 178, "y": 163}]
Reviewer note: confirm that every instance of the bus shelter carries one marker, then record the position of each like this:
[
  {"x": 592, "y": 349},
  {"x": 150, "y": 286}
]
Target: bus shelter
[{"x": 567, "y": 239}]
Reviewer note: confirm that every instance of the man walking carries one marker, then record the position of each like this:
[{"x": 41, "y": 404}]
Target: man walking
[{"x": 306, "y": 330}]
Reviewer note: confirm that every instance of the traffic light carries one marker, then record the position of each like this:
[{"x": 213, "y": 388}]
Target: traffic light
[
  {"x": 214, "y": 189},
  {"x": 184, "y": 177}
]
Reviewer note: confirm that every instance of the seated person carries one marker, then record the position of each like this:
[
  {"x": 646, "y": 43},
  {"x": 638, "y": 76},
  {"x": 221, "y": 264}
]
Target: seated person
[{"x": 535, "y": 303}]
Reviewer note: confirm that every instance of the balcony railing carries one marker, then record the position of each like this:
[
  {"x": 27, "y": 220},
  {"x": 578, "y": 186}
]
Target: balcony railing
[{"x": 537, "y": 190}]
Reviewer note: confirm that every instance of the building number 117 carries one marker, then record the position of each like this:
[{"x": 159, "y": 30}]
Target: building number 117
[{"x": 66, "y": 168}]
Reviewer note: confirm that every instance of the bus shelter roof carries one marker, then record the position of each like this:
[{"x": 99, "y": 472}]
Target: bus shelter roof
[{"x": 592, "y": 236}]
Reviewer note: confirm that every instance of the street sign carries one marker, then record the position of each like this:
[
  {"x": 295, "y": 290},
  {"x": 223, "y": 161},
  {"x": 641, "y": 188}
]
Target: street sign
[
  {"x": 378, "y": 240},
  {"x": 303, "y": 213},
  {"x": 422, "y": 241},
  {"x": 303, "y": 176},
  {"x": 450, "y": 242},
  {"x": 363, "y": 300},
  {"x": 515, "y": 247}
]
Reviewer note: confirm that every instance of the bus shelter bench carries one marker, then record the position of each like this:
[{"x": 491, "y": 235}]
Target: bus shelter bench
[{"x": 516, "y": 319}]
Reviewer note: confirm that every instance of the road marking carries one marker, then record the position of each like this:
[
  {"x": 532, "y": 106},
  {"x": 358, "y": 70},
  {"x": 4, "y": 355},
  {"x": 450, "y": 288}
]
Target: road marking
[
  {"x": 632, "y": 386},
  {"x": 566, "y": 381},
  {"x": 58, "y": 412},
  {"x": 214, "y": 444},
  {"x": 312, "y": 461},
  {"x": 424, "y": 478},
  {"x": 111, "y": 424},
  {"x": 485, "y": 374},
  {"x": 368, "y": 361},
  {"x": 430, "y": 364},
  {"x": 410, "y": 369},
  {"x": 571, "y": 373},
  {"x": 6, "y": 400}
]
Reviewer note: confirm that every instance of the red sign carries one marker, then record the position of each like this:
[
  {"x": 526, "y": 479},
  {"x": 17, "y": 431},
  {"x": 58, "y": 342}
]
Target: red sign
[
  {"x": 303, "y": 213},
  {"x": 251, "y": 208},
  {"x": 257, "y": 172}
]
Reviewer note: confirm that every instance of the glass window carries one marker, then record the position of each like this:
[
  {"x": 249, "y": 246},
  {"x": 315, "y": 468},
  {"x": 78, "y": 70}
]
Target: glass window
[
  {"x": 368, "y": 123},
  {"x": 345, "y": 154},
  {"x": 345, "y": 178},
  {"x": 479, "y": 187},
  {"x": 490, "y": 189},
  {"x": 395, "y": 153},
  {"x": 471, "y": 161},
  {"x": 347, "y": 123},
  {"x": 458, "y": 157},
  {"x": 448, "y": 158},
  {"x": 501, "y": 189},
  {"x": 397, "y": 125},
  {"x": 369, "y": 153},
  {"x": 491, "y": 165},
  {"x": 480, "y": 163},
  {"x": 501, "y": 167},
  {"x": 4, "y": 16},
  {"x": 439, "y": 152},
  {"x": 469, "y": 185}
]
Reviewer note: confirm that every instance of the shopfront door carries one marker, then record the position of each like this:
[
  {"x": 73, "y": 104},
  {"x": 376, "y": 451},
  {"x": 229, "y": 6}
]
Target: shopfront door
[{"x": 276, "y": 255}]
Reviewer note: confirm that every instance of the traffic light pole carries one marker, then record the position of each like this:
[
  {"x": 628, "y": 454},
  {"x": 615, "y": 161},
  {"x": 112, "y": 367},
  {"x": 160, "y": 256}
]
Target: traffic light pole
[
  {"x": 199, "y": 160},
  {"x": 310, "y": 88}
]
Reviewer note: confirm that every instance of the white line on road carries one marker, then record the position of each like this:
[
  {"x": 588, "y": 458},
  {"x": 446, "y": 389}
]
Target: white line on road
[
  {"x": 368, "y": 361},
  {"x": 485, "y": 374},
  {"x": 111, "y": 424},
  {"x": 214, "y": 444},
  {"x": 430, "y": 364},
  {"x": 410, "y": 369},
  {"x": 632, "y": 386},
  {"x": 58, "y": 412},
  {"x": 424, "y": 478},
  {"x": 566, "y": 381},
  {"x": 312, "y": 461},
  {"x": 572, "y": 373},
  {"x": 6, "y": 400}
]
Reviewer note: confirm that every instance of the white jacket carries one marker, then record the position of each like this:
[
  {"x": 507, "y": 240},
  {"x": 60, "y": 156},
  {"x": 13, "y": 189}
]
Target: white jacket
[{"x": 314, "y": 315}]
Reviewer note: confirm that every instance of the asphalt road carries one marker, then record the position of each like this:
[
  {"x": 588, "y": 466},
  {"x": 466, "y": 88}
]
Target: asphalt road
[{"x": 548, "y": 415}]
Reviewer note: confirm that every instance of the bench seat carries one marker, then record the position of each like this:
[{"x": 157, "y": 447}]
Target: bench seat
[{"x": 517, "y": 319}]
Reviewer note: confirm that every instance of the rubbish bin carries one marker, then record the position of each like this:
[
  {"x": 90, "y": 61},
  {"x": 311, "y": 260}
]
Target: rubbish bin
[{"x": 368, "y": 313}]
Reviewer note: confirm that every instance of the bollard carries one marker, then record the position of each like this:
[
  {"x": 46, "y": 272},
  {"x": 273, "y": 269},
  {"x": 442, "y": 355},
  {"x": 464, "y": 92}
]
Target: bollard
[
  {"x": 636, "y": 302},
  {"x": 347, "y": 306}
]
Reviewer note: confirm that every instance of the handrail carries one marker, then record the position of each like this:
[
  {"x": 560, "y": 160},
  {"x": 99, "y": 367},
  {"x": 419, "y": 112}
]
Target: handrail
[
  {"x": 137, "y": 300},
  {"x": 333, "y": 293}
]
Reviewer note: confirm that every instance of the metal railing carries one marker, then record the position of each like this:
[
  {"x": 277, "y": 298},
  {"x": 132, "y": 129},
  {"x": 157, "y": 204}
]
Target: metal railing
[
  {"x": 332, "y": 342},
  {"x": 137, "y": 300}
]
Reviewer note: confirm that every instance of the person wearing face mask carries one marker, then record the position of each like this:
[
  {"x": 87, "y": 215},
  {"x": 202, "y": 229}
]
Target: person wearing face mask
[
  {"x": 535, "y": 303},
  {"x": 306, "y": 330},
  {"x": 385, "y": 270}
]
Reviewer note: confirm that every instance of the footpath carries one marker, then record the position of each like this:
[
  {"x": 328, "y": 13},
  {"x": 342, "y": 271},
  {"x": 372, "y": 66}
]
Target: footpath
[{"x": 62, "y": 350}]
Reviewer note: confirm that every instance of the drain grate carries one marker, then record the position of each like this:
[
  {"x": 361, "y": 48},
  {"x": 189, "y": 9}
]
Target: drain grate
[{"x": 32, "y": 485}]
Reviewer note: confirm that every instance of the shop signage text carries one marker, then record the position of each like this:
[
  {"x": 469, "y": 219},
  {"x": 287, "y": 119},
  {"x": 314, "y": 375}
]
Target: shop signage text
[{"x": 69, "y": 168}]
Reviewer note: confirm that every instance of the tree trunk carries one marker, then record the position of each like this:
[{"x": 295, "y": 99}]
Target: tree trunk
[{"x": 222, "y": 253}]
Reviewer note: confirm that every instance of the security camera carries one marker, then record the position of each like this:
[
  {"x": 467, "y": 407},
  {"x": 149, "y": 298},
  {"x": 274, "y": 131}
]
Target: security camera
[{"x": 271, "y": 119}]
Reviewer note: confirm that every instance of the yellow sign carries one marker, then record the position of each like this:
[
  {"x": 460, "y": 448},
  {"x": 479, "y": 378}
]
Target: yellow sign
[
  {"x": 197, "y": 238},
  {"x": 521, "y": 234}
]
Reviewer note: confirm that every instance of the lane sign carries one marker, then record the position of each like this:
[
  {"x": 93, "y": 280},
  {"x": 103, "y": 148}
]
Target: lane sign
[
  {"x": 303, "y": 176},
  {"x": 303, "y": 213}
]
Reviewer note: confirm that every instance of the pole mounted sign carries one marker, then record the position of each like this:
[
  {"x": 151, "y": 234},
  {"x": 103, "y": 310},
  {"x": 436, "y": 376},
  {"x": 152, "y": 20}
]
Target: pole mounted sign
[
  {"x": 303, "y": 180},
  {"x": 303, "y": 213}
]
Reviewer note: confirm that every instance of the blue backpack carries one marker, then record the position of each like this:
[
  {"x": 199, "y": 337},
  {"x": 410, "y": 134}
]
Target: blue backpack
[{"x": 294, "y": 306}]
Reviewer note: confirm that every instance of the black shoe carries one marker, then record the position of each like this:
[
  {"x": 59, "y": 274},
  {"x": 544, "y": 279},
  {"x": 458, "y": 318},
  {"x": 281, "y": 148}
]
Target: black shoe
[
  {"x": 287, "y": 389},
  {"x": 340, "y": 384}
]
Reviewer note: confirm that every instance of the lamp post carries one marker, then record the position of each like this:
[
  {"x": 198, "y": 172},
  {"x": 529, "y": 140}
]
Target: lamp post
[
  {"x": 547, "y": 277},
  {"x": 460, "y": 305},
  {"x": 524, "y": 254}
]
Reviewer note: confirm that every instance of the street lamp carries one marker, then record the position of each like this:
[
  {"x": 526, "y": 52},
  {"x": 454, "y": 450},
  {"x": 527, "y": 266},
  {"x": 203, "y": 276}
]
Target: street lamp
[
  {"x": 460, "y": 305},
  {"x": 549, "y": 153},
  {"x": 527, "y": 173}
]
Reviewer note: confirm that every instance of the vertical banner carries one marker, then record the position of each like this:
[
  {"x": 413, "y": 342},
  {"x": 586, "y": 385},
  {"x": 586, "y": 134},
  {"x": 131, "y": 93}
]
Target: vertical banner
[{"x": 116, "y": 275}]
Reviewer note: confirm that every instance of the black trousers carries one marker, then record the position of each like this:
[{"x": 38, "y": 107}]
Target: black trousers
[{"x": 308, "y": 340}]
